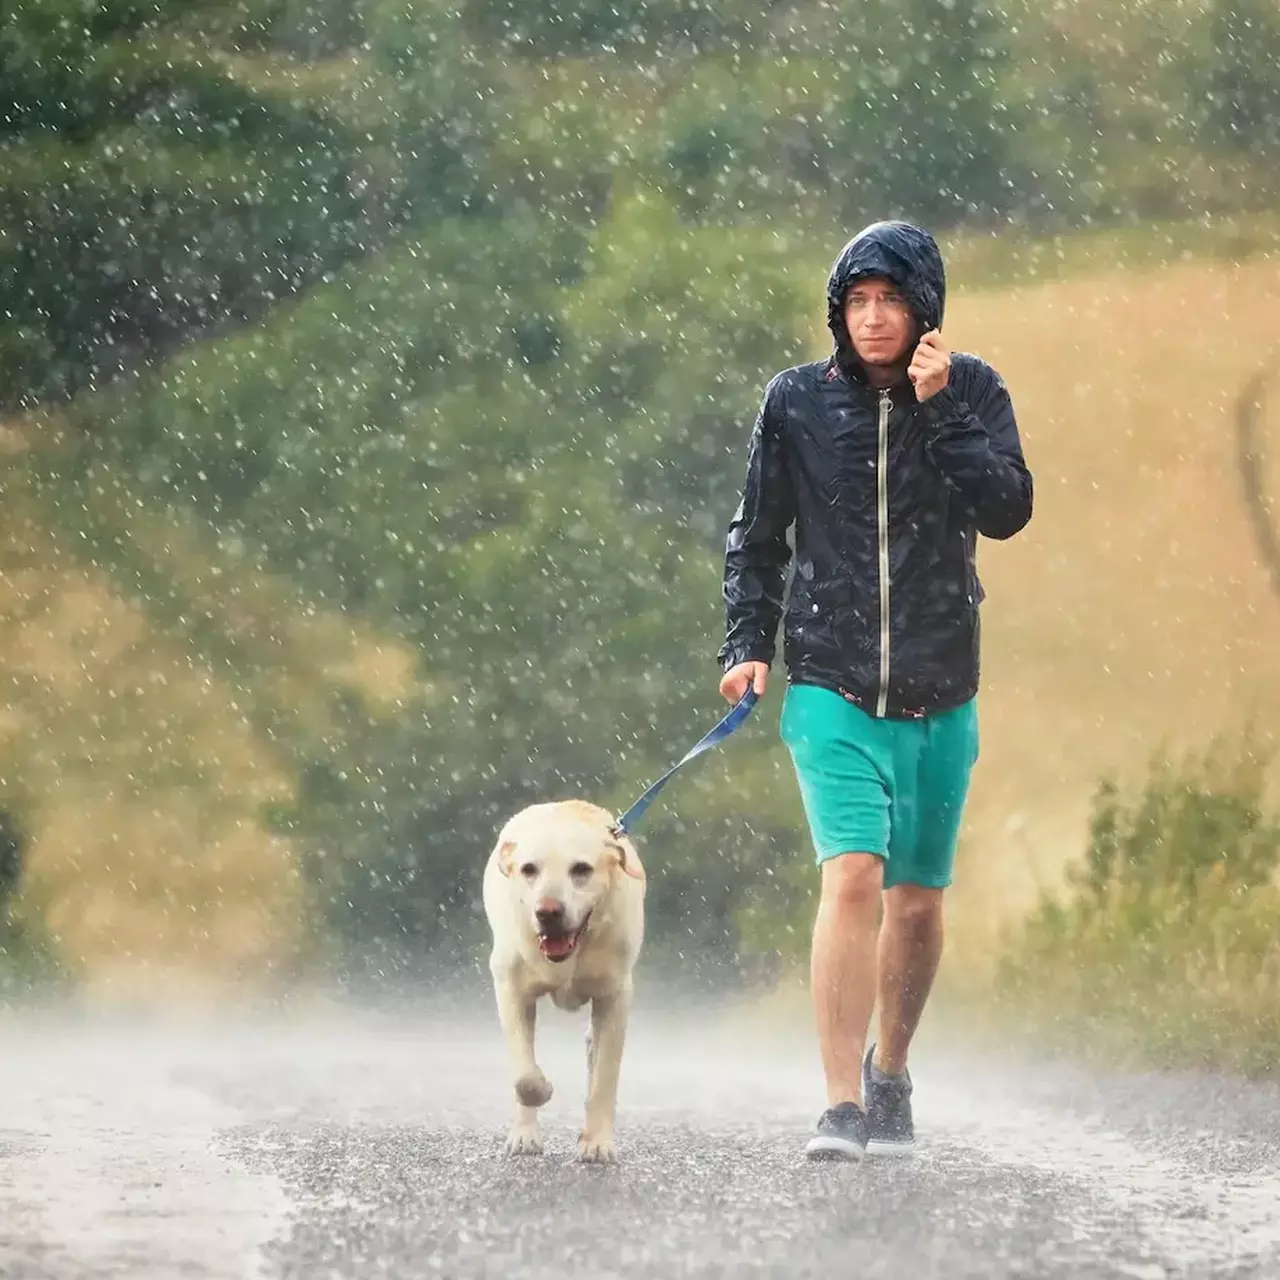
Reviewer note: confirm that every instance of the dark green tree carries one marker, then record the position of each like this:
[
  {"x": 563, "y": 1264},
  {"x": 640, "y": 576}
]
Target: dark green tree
[{"x": 1242, "y": 108}]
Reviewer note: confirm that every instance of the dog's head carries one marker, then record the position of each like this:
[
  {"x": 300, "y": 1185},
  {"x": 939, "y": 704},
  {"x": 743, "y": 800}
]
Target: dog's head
[{"x": 563, "y": 859}]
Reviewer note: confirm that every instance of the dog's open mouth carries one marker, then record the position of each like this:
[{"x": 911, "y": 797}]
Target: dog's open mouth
[{"x": 560, "y": 946}]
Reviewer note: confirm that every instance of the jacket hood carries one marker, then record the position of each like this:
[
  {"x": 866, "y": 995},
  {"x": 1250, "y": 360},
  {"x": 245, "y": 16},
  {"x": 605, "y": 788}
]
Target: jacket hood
[{"x": 905, "y": 254}]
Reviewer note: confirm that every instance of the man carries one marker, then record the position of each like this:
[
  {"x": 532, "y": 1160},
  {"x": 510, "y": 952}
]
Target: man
[{"x": 888, "y": 458}]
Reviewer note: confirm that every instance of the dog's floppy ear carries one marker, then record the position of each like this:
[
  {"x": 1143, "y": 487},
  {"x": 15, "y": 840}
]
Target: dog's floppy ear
[
  {"x": 624, "y": 851},
  {"x": 507, "y": 857}
]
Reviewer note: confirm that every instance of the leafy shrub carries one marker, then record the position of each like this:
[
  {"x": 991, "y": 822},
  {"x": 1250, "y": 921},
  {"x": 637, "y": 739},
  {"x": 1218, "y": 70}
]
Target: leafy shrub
[{"x": 1165, "y": 942}]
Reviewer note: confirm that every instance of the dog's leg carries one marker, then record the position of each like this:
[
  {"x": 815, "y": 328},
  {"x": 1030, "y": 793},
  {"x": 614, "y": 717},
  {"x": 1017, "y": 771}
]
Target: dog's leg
[
  {"x": 591, "y": 1058},
  {"x": 607, "y": 1039},
  {"x": 517, "y": 1013}
]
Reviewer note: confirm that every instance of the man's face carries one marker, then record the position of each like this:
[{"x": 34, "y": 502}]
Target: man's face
[{"x": 879, "y": 321}]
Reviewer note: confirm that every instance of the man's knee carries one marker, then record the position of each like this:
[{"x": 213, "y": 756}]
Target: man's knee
[
  {"x": 852, "y": 882},
  {"x": 914, "y": 907}
]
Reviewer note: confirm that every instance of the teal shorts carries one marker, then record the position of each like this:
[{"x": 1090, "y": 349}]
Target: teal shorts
[{"x": 893, "y": 788}]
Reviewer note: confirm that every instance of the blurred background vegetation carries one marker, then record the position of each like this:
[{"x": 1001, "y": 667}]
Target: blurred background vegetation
[{"x": 375, "y": 380}]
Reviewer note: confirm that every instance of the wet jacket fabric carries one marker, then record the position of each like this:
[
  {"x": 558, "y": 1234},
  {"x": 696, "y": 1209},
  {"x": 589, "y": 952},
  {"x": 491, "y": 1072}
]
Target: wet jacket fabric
[{"x": 883, "y": 497}]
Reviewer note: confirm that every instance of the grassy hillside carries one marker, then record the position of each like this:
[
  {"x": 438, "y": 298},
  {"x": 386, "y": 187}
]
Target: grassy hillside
[
  {"x": 377, "y": 380},
  {"x": 1133, "y": 611}
]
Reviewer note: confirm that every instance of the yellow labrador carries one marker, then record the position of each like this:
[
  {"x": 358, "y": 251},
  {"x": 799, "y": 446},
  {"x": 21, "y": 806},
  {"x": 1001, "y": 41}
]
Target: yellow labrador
[{"x": 565, "y": 901}]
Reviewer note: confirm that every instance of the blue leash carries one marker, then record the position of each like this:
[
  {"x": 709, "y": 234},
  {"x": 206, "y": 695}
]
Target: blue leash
[{"x": 718, "y": 734}]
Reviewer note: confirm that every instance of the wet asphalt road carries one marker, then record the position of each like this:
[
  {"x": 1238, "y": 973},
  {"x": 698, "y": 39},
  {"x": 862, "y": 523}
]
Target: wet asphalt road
[{"x": 363, "y": 1144}]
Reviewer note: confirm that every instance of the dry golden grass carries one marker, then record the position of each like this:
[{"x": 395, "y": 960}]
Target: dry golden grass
[
  {"x": 140, "y": 781},
  {"x": 1133, "y": 612},
  {"x": 142, "y": 785}
]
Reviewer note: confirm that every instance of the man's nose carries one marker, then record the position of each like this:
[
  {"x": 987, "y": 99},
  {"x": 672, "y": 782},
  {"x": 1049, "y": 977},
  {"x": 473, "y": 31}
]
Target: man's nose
[{"x": 549, "y": 913}]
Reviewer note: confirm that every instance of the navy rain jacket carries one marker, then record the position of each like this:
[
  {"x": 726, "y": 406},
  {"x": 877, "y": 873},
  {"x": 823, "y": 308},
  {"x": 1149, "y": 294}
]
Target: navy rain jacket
[{"x": 886, "y": 497}]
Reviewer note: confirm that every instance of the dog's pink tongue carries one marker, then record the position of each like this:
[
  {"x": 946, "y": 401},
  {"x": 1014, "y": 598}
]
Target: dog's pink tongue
[{"x": 557, "y": 946}]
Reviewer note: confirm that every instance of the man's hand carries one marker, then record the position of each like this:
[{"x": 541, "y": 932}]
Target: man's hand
[
  {"x": 737, "y": 680},
  {"x": 930, "y": 365}
]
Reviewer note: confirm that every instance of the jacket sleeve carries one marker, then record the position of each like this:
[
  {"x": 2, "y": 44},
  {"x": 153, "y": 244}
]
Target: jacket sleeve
[
  {"x": 978, "y": 450},
  {"x": 756, "y": 550}
]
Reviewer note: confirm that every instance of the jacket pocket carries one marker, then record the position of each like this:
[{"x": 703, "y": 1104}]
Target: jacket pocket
[{"x": 808, "y": 625}]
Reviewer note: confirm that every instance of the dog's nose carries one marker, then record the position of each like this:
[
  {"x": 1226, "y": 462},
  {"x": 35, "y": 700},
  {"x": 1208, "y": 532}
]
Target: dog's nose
[{"x": 549, "y": 913}]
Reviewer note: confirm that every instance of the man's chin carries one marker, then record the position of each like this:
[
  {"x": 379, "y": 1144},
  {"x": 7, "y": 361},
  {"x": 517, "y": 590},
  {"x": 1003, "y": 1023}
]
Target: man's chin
[{"x": 881, "y": 359}]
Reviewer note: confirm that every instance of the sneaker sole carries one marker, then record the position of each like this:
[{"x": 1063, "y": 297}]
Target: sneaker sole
[
  {"x": 883, "y": 1147},
  {"x": 825, "y": 1148}
]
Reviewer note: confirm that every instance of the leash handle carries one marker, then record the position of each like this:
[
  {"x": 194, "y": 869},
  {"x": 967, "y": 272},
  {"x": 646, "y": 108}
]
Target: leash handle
[{"x": 716, "y": 735}]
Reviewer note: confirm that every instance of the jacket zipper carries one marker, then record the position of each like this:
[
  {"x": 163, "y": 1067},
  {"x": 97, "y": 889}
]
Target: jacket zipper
[{"x": 882, "y": 520}]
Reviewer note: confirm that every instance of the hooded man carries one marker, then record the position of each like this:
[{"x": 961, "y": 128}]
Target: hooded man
[{"x": 888, "y": 459}]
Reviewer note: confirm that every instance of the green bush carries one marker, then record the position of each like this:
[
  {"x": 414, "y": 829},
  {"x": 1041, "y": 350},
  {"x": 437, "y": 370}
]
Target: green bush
[
  {"x": 443, "y": 105},
  {"x": 27, "y": 360},
  {"x": 1163, "y": 945},
  {"x": 727, "y": 143},
  {"x": 114, "y": 253},
  {"x": 892, "y": 107},
  {"x": 1242, "y": 99},
  {"x": 60, "y": 66},
  {"x": 28, "y": 960},
  {"x": 921, "y": 122}
]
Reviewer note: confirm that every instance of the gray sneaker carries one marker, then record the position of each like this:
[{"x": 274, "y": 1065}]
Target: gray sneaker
[
  {"x": 842, "y": 1134},
  {"x": 890, "y": 1130}
]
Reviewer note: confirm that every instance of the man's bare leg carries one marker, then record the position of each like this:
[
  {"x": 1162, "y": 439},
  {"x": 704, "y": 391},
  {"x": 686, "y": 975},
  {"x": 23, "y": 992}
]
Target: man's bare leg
[
  {"x": 843, "y": 968},
  {"x": 909, "y": 951}
]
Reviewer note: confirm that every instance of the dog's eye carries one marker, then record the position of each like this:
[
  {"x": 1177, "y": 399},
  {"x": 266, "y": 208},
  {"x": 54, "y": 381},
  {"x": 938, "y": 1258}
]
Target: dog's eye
[
  {"x": 529, "y": 870},
  {"x": 580, "y": 870}
]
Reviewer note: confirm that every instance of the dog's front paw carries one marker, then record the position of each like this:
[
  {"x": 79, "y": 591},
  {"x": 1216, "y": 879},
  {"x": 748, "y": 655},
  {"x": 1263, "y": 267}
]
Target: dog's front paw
[
  {"x": 524, "y": 1140},
  {"x": 533, "y": 1089},
  {"x": 597, "y": 1148}
]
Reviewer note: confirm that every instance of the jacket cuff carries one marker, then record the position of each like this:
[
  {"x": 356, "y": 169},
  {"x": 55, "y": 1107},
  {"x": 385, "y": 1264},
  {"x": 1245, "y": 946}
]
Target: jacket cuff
[
  {"x": 944, "y": 406},
  {"x": 744, "y": 653}
]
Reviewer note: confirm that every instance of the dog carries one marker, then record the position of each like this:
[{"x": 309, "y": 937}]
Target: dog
[{"x": 564, "y": 896}]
